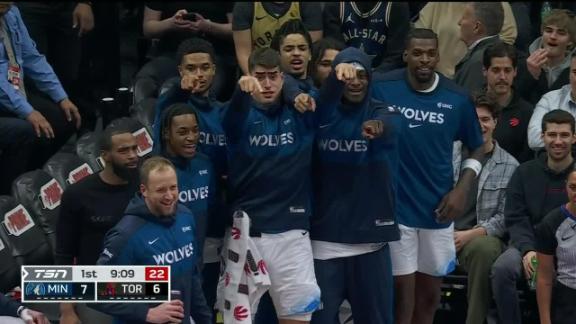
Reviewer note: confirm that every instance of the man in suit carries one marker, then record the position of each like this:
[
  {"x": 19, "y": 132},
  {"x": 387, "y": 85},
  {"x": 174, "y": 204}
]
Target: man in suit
[{"x": 479, "y": 27}]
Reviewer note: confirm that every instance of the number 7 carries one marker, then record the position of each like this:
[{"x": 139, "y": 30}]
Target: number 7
[{"x": 84, "y": 288}]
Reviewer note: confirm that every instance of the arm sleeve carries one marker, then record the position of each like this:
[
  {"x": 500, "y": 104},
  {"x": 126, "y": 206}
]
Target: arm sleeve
[
  {"x": 331, "y": 19},
  {"x": 236, "y": 114},
  {"x": 535, "y": 124},
  {"x": 470, "y": 133},
  {"x": 8, "y": 307},
  {"x": 509, "y": 29},
  {"x": 398, "y": 28},
  {"x": 495, "y": 225},
  {"x": 516, "y": 215},
  {"x": 36, "y": 67},
  {"x": 546, "y": 242},
  {"x": 117, "y": 250},
  {"x": 242, "y": 13},
  {"x": 68, "y": 228},
  {"x": 311, "y": 15}
]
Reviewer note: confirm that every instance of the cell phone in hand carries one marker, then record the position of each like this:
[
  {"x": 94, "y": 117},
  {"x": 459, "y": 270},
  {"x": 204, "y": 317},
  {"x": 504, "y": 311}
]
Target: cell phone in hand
[{"x": 190, "y": 16}]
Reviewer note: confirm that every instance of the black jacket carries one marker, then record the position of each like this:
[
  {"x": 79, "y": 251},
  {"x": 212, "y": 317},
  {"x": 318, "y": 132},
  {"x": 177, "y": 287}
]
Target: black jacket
[
  {"x": 533, "y": 191},
  {"x": 512, "y": 128},
  {"x": 8, "y": 307}
]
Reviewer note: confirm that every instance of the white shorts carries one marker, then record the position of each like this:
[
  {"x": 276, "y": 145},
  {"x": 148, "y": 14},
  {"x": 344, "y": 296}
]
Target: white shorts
[
  {"x": 293, "y": 287},
  {"x": 429, "y": 251}
]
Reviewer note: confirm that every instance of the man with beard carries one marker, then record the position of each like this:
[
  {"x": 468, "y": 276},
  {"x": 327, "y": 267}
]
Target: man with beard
[
  {"x": 154, "y": 229},
  {"x": 92, "y": 206},
  {"x": 438, "y": 112},
  {"x": 536, "y": 188}
]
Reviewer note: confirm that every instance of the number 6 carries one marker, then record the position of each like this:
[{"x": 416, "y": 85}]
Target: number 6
[{"x": 156, "y": 288}]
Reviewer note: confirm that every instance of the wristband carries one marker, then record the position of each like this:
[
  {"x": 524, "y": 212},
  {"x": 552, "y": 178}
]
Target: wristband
[
  {"x": 473, "y": 164},
  {"x": 20, "y": 310}
]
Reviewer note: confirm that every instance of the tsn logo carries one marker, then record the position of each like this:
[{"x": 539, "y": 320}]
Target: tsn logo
[{"x": 50, "y": 273}]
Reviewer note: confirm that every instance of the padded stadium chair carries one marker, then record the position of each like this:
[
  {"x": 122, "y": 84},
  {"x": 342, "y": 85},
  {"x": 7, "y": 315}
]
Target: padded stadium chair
[
  {"x": 9, "y": 268},
  {"x": 41, "y": 195},
  {"x": 87, "y": 149},
  {"x": 25, "y": 237},
  {"x": 169, "y": 84},
  {"x": 142, "y": 133},
  {"x": 67, "y": 168},
  {"x": 143, "y": 111}
]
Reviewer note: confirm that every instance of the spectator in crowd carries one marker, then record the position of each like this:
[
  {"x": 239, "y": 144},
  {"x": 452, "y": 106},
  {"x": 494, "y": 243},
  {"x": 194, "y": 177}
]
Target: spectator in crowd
[
  {"x": 536, "y": 188},
  {"x": 441, "y": 17},
  {"x": 92, "y": 206},
  {"x": 548, "y": 66},
  {"x": 480, "y": 230},
  {"x": 172, "y": 23},
  {"x": 479, "y": 27},
  {"x": 555, "y": 242},
  {"x": 270, "y": 146},
  {"x": 55, "y": 118},
  {"x": 563, "y": 98},
  {"x": 178, "y": 142},
  {"x": 157, "y": 217},
  {"x": 438, "y": 112},
  {"x": 500, "y": 62},
  {"x": 11, "y": 311},
  {"x": 524, "y": 25},
  {"x": 350, "y": 231},
  {"x": 49, "y": 26},
  {"x": 323, "y": 53},
  {"x": 377, "y": 27},
  {"x": 255, "y": 24}
]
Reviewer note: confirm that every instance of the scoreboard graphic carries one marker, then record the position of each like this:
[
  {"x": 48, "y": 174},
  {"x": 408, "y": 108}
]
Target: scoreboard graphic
[{"x": 91, "y": 284}]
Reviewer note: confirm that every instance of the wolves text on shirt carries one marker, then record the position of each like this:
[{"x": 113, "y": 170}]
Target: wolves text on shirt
[
  {"x": 431, "y": 117},
  {"x": 212, "y": 139},
  {"x": 342, "y": 145},
  {"x": 193, "y": 194},
  {"x": 176, "y": 255},
  {"x": 272, "y": 140}
]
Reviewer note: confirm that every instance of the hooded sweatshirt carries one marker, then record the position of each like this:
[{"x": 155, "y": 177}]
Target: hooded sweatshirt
[
  {"x": 550, "y": 79},
  {"x": 355, "y": 186},
  {"x": 269, "y": 154},
  {"x": 141, "y": 238},
  {"x": 212, "y": 140},
  {"x": 197, "y": 189},
  {"x": 533, "y": 191}
]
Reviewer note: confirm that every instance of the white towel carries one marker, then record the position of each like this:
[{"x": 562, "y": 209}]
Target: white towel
[{"x": 244, "y": 276}]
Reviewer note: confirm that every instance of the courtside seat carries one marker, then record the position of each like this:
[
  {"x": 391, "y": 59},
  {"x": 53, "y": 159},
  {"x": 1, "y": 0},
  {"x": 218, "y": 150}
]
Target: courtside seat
[
  {"x": 67, "y": 168},
  {"x": 41, "y": 194},
  {"x": 23, "y": 234},
  {"x": 144, "y": 111},
  {"x": 9, "y": 268},
  {"x": 87, "y": 149}
]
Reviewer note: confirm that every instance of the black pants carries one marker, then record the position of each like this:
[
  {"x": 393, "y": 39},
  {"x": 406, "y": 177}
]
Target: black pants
[
  {"x": 50, "y": 26},
  {"x": 44, "y": 148},
  {"x": 17, "y": 139},
  {"x": 563, "y": 306}
]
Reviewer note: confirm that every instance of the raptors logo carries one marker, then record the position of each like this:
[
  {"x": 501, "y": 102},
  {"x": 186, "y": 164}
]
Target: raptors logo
[
  {"x": 240, "y": 313},
  {"x": 262, "y": 267},
  {"x": 226, "y": 279},
  {"x": 514, "y": 122},
  {"x": 235, "y": 233}
]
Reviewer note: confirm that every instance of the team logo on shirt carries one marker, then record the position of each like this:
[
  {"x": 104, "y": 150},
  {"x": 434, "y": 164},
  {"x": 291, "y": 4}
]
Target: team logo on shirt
[
  {"x": 212, "y": 139},
  {"x": 418, "y": 115},
  {"x": 190, "y": 195},
  {"x": 175, "y": 255},
  {"x": 444, "y": 105},
  {"x": 272, "y": 140},
  {"x": 342, "y": 145}
]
